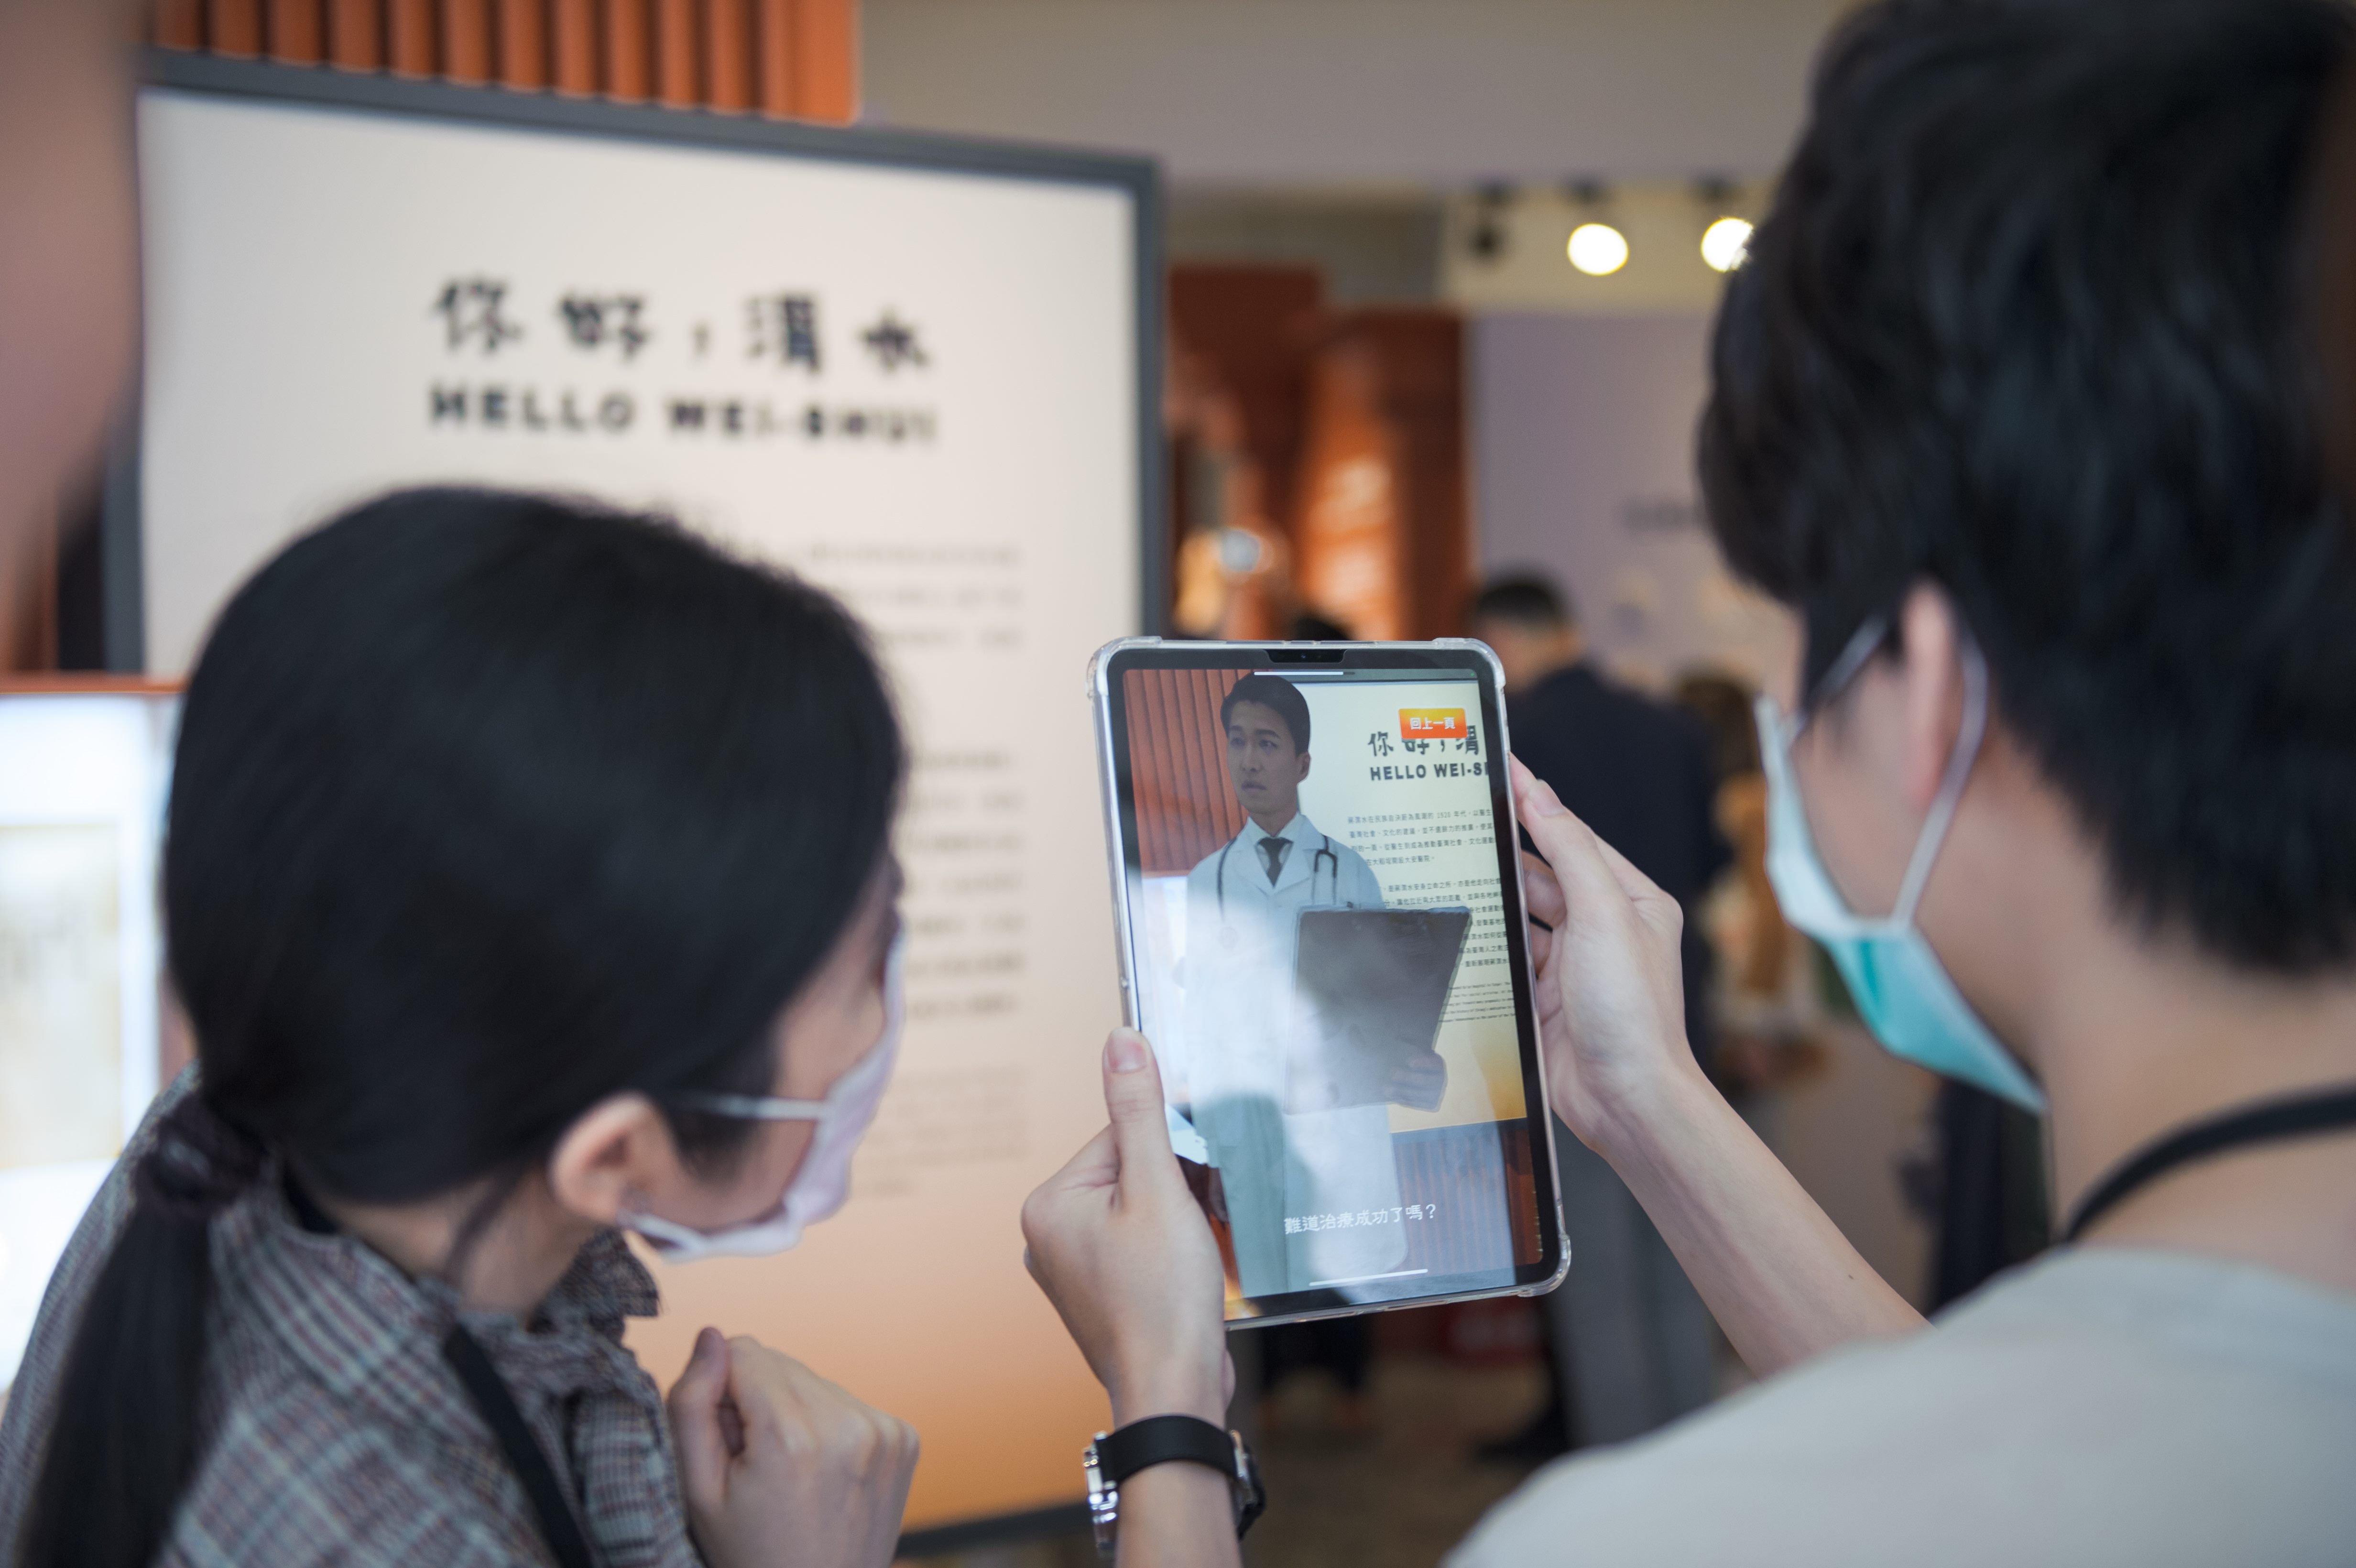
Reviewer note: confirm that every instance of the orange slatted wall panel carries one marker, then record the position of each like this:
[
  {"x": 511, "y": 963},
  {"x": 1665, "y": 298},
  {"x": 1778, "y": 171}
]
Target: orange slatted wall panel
[
  {"x": 789, "y": 59},
  {"x": 1178, "y": 764}
]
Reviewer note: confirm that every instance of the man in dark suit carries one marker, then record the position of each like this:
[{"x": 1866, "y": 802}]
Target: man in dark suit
[{"x": 1631, "y": 1339}]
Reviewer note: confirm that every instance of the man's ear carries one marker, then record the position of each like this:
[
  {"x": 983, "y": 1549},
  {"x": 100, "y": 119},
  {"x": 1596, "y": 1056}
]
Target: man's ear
[
  {"x": 1932, "y": 700},
  {"x": 1304, "y": 768},
  {"x": 616, "y": 1152}
]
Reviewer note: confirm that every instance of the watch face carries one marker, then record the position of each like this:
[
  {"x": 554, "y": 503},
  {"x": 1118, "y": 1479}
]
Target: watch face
[
  {"x": 1104, "y": 1504},
  {"x": 1251, "y": 1498}
]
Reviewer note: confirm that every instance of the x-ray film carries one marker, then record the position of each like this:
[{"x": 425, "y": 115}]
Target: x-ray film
[{"x": 1370, "y": 986}]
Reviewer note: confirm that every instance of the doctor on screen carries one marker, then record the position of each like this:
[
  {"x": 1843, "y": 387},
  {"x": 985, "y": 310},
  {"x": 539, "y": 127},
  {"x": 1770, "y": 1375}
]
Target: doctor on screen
[{"x": 1243, "y": 907}]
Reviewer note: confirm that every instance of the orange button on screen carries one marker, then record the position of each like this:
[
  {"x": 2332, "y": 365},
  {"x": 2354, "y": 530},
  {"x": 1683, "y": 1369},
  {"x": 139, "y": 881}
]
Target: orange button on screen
[{"x": 1431, "y": 723}]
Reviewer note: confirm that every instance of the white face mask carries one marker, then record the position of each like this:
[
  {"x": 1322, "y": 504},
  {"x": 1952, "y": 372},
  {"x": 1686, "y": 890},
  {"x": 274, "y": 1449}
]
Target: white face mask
[{"x": 823, "y": 1181}]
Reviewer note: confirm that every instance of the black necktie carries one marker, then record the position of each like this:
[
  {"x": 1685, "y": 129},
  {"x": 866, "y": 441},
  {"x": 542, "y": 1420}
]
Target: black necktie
[{"x": 1272, "y": 851}]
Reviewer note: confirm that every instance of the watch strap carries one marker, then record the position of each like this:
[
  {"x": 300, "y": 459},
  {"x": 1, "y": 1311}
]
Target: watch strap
[{"x": 1162, "y": 1439}]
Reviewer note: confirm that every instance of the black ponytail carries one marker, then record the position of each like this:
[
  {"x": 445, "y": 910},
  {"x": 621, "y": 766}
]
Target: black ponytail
[
  {"x": 145, "y": 1320},
  {"x": 485, "y": 807}
]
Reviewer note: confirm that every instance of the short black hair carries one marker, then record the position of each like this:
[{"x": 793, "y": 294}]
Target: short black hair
[
  {"x": 2029, "y": 320},
  {"x": 1271, "y": 691},
  {"x": 1527, "y": 600}
]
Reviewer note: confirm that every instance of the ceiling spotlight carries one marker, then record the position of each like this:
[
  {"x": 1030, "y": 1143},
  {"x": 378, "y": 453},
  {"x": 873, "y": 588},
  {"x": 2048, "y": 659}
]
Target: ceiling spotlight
[
  {"x": 1485, "y": 237},
  {"x": 1597, "y": 248},
  {"x": 1725, "y": 243}
]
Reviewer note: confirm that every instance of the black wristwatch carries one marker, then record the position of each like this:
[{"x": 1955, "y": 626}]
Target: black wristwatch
[{"x": 1115, "y": 1457}]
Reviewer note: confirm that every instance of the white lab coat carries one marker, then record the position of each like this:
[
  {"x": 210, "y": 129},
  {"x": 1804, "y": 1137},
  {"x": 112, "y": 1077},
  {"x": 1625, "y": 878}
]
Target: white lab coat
[{"x": 1239, "y": 1017}]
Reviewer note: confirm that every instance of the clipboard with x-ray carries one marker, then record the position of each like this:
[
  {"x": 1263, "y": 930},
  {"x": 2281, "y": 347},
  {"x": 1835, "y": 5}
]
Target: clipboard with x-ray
[{"x": 1370, "y": 986}]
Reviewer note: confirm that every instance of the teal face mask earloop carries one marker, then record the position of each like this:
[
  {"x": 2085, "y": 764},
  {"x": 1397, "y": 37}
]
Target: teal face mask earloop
[{"x": 1901, "y": 990}]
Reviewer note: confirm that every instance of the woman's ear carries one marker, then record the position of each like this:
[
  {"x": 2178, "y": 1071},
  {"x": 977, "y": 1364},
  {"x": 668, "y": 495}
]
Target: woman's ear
[{"x": 619, "y": 1151}]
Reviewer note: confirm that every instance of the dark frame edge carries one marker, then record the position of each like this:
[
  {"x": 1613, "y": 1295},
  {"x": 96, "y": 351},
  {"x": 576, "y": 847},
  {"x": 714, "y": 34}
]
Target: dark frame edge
[
  {"x": 1154, "y": 540},
  {"x": 123, "y": 575}
]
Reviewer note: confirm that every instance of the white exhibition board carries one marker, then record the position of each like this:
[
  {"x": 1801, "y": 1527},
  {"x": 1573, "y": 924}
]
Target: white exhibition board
[
  {"x": 83, "y": 776},
  {"x": 918, "y": 386}
]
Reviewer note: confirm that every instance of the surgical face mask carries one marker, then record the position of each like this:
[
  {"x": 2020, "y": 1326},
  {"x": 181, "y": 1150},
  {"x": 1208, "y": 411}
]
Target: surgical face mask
[
  {"x": 1901, "y": 990},
  {"x": 823, "y": 1180}
]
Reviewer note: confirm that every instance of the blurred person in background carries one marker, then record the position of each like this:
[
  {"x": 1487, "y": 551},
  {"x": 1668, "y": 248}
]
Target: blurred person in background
[
  {"x": 68, "y": 288},
  {"x": 2036, "y": 401},
  {"x": 1309, "y": 626},
  {"x": 1763, "y": 1008},
  {"x": 1631, "y": 1339}
]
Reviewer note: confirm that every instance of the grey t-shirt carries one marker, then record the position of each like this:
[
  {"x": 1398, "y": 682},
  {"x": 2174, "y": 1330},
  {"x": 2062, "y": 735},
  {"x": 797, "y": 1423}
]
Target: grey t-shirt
[{"x": 2106, "y": 1405}]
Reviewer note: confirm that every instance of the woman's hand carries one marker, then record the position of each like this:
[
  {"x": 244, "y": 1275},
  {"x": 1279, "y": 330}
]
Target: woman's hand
[
  {"x": 1611, "y": 988},
  {"x": 1119, "y": 1245},
  {"x": 783, "y": 1469}
]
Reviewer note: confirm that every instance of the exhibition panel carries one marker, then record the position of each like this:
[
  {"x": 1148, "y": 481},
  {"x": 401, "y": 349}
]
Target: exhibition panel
[{"x": 915, "y": 370}]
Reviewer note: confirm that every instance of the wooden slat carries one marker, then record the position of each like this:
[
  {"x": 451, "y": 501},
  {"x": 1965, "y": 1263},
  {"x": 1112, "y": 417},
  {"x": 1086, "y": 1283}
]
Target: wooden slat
[
  {"x": 679, "y": 59},
  {"x": 356, "y": 33},
  {"x": 179, "y": 24},
  {"x": 627, "y": 78},
  {"x": 522, "y": 36},
  {"x": 826, "y": 61},
  {"x": 1143, "y": 771},
  {"x": 1220, "y": 817},
  {"x": 728, "y": 55},
  {"x": 466, "y": 52},
  {"x": 773, "y": 57},
  {"x": 297, "y": 31},
  {"x": 409, "y": 38},
  {"x": 1151, "y": 772},
  {"x": 573, "y": 45},
  {"x": 29, "y": 596},
  {"x": 233, "y": 27},
  {"x": 1193, "y": 717}
]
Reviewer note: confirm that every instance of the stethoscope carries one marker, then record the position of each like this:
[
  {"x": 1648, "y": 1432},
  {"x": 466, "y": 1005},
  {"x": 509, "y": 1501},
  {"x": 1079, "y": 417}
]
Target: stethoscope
[{"x": 1325, "y": 857}]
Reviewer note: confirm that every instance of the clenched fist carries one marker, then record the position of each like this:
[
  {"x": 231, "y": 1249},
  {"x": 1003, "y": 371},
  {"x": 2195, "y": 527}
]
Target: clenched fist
[{"x": 782, "y": 1468}]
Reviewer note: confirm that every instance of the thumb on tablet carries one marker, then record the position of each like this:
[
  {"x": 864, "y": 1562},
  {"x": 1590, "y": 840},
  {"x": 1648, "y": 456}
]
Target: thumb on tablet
[{"x": 1140, "y": 1133}]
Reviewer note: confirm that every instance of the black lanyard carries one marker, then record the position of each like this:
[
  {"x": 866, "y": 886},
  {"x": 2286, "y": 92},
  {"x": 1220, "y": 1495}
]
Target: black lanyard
[
  {"x": 2302, "y": 1116},
  {"x": 498, "y": 1406}
]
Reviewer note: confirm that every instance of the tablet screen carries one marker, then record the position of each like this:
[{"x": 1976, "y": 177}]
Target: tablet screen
[{"x": 1324, "y": 944}]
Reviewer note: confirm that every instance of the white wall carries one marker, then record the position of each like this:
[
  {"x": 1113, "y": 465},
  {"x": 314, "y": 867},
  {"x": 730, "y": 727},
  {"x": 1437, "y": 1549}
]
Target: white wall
[
  {"x": 1584, "y": 468},
  {"x": 1369, "y": 92}
]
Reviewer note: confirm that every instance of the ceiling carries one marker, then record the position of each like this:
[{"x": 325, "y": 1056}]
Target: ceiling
[{"x": 1361, "y": 95}]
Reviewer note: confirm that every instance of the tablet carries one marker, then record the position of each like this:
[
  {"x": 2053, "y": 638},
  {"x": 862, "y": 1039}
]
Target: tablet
[{"x": 1319, "y": 905}]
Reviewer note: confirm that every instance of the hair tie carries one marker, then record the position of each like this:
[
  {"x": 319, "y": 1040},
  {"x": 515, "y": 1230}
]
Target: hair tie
[{"x": 199, "y": 1164}]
